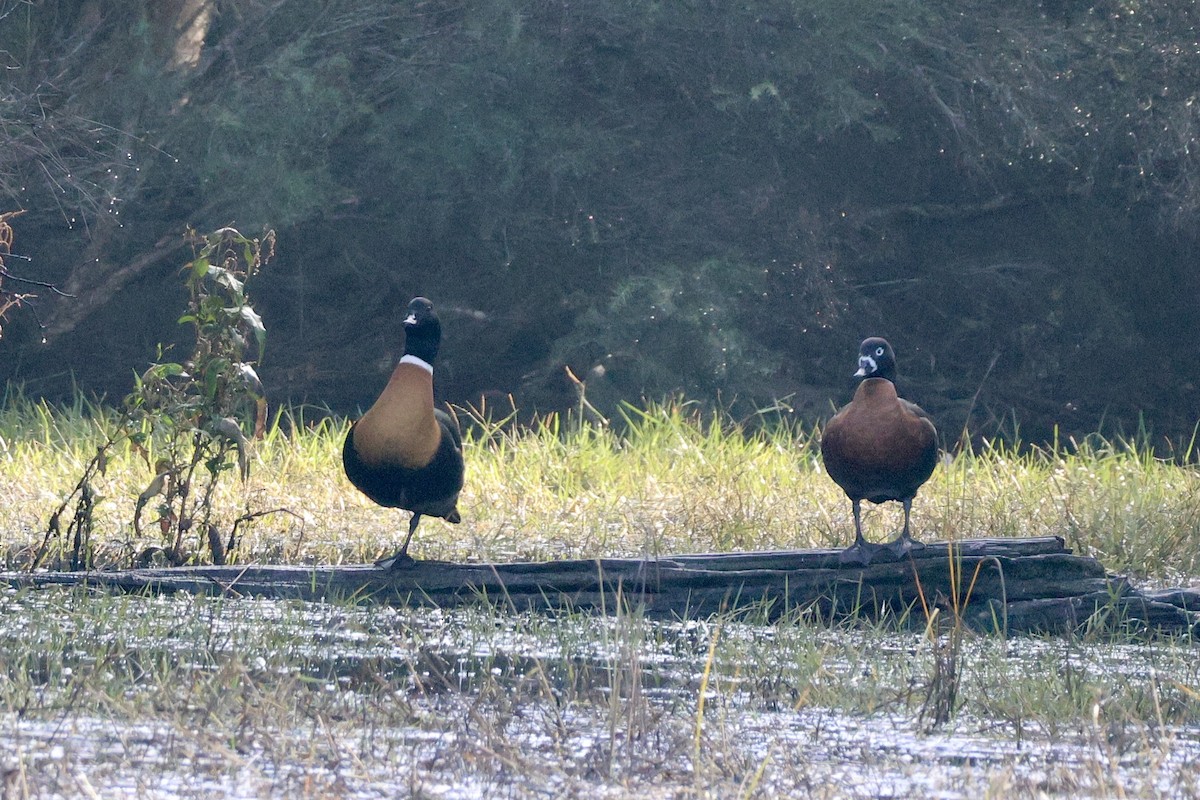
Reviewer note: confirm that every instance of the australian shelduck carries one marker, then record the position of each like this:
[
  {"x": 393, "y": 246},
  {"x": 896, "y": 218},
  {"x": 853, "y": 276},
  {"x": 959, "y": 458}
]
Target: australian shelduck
[
  {"x": 404, "y": 453},
  {"x": 879, "y": 447}
]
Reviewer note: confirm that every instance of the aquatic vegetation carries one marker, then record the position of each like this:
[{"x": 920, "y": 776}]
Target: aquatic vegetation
[{"x": 177, "y": 696}]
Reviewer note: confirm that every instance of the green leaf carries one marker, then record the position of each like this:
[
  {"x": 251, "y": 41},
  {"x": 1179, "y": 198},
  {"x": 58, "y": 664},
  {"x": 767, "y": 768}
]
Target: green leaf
[
  {"x": 212, "y": 376},
  {"x": 167, "y": 370},
  {"x": 251, "y": 379},
  {"x": 211, "y": 308},
  {"x": 227, "y": 279},
  {"x": 231, "y": 430},
  {"x": 255, "y": 322}
]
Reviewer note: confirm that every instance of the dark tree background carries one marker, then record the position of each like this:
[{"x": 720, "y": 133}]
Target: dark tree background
[{"x": 696, "y": 197}]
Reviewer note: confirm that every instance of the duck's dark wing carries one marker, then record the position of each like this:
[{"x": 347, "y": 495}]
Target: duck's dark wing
[
  {"x": 927, "y": 459},
  {"x": 916, "y": 409},
  {"x": 449, "y": 425}
]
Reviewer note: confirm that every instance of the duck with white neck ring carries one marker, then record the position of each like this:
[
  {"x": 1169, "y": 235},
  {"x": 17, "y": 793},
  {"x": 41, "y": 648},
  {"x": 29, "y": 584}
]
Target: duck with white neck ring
[{"x": 404, "y": 453}]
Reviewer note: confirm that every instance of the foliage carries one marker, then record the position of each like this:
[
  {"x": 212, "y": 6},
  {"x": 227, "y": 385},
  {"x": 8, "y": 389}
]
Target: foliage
[
  {"x": 1010, "y": 190},
  {"x": 186, "y": 419},
  {"x": 191, "y": 414},
  {"x": 673, "y": 331},
  {"x": 661, "y": 479}
]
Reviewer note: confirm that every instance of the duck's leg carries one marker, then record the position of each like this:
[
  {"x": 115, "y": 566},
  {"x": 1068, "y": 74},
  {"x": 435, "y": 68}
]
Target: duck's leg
[
  {"x": 861, "y": 551},
  {"x": 905, "y": 542},
  {"x": 401, "y": 559}
]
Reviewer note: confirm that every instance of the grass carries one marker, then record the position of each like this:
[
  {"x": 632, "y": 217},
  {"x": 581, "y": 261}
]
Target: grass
[
  {"x": 669, "y": 482},
  {"x": 189, "y": 696}
]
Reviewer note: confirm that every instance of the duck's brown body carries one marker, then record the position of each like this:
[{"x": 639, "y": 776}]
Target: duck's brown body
[
  {"x": 400, "y": 428},
  {"x": 879, "y": 447},
  {"x": 405, "y": 454}
]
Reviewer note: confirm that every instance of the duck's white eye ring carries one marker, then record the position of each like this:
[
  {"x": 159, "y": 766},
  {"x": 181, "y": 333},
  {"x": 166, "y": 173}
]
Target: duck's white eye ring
[{"x": 878, "y": 351}]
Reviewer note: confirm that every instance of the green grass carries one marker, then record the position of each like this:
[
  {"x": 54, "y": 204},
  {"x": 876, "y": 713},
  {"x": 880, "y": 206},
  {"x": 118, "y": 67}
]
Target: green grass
[
  {"x": 669, "y": 482},
  {"x": 193, "y": 696}
]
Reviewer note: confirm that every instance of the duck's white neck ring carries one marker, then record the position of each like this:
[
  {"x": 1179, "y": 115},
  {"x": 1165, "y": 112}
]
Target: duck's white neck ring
[{"x": 419, "y": 362}]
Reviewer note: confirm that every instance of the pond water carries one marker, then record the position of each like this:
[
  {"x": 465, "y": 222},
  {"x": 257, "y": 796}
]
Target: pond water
[{"x": 187, "y": 697}]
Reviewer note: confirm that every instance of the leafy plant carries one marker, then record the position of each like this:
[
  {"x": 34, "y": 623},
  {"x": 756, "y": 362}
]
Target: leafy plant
[{"x": 189, "y": 419}]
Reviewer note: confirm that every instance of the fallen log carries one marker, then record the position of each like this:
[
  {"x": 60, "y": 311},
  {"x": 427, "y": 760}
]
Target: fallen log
[{"x": 1007, "y": 586}]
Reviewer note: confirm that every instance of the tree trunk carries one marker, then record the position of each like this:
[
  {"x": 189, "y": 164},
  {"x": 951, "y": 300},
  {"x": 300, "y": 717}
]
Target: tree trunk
[{"x": 1006, "y": 586}]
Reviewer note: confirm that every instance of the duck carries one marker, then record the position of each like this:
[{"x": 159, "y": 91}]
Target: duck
[
  {"x": 403, "y": 452},
  {"x": 879, "y": 447}
]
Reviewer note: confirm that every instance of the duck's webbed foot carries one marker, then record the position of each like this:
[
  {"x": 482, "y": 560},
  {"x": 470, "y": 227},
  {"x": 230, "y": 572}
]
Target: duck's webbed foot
[
  {"x": 401, "y": 559},
  {"x": 861, "y": 552},
  {"x": 904, "y": 544},
  {"x": 397, "y": 561}
]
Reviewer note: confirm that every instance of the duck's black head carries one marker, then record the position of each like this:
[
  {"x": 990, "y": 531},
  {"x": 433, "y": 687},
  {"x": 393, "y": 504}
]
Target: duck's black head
[
  {"x": 422, "y": 330},
  {"x": 876, "y": 360}
]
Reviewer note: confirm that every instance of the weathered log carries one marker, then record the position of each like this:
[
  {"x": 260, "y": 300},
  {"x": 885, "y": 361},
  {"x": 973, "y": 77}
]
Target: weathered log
[{"x": 1001, "y": 585}]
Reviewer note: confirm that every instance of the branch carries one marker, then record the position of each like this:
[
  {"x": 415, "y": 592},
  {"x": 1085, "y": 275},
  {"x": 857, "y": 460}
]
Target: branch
[{"x": 31, "y": 282}]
